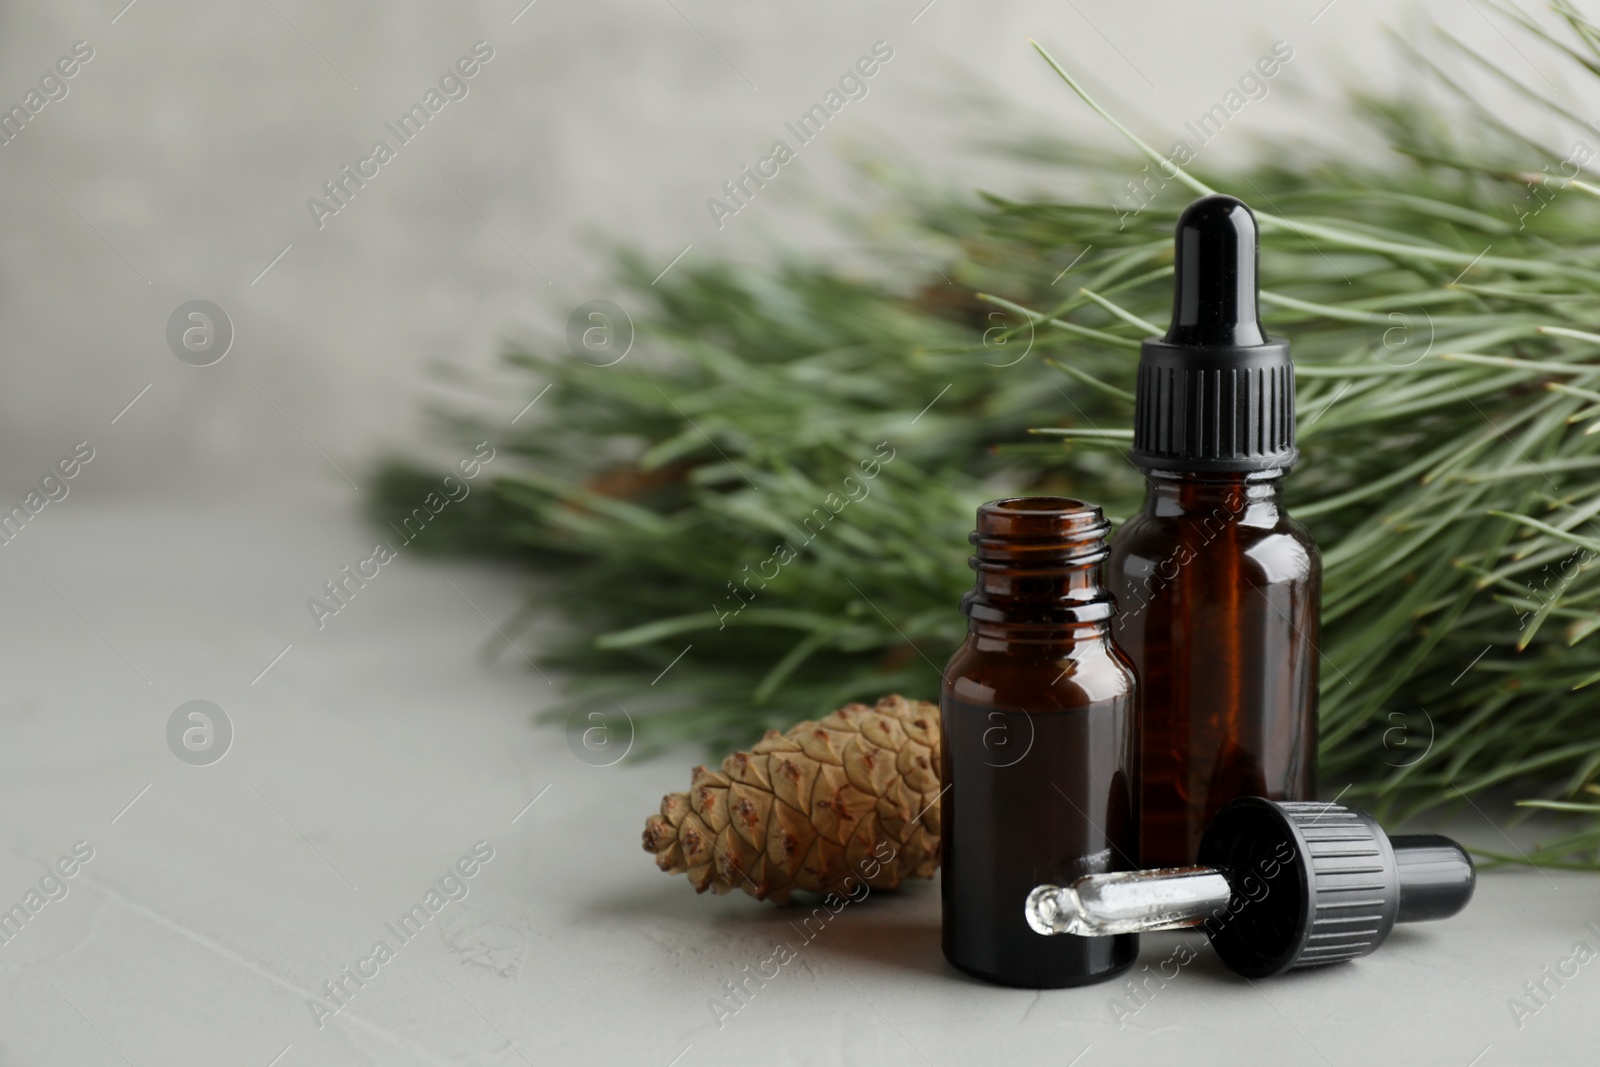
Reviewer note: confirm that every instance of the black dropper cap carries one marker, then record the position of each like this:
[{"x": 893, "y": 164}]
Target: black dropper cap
[
  {"x": 1216, "y": 393},
  {"x": 1320, "y": 883}
]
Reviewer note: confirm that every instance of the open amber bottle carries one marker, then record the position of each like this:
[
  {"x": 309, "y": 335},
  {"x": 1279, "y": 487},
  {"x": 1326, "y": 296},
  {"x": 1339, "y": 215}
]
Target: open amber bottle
[
  {"x": 1217, "y": 587},
  {"x": 1040, "y": 751}
]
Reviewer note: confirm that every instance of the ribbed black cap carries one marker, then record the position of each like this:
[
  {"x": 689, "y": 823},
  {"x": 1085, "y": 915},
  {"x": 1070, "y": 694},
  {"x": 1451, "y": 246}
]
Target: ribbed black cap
[
  {"x": 1319, "y": 883},
  {"x": 1216, "y": 393}
]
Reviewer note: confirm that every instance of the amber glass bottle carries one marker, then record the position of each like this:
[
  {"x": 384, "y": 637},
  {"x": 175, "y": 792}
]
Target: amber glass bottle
[
  {"x": 1040, "y": 753},
  {"x": 1217, "y": 587}
]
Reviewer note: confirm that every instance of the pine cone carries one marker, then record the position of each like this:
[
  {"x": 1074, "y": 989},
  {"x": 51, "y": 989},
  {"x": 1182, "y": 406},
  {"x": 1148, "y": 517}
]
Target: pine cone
[{"x": 828, "y": 805}]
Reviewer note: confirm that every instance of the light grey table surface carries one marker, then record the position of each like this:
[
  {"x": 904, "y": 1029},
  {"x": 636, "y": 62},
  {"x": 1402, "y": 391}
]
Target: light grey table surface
[{"x": 378, "y": 751}]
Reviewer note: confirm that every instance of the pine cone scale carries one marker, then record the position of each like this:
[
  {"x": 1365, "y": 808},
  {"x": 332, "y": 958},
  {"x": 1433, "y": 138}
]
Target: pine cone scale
[{"x": 852, "y": 798}]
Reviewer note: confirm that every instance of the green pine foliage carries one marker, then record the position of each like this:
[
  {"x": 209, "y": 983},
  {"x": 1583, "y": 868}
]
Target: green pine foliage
[{"x": 781, "y": 475}]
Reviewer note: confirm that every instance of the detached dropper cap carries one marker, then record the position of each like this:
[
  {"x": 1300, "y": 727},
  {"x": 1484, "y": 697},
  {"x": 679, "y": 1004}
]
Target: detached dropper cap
[
  {"x": 1216, "y": 393},
  {"x": 1285, "y": 884},
  {"x": 1340, "y": 883}
]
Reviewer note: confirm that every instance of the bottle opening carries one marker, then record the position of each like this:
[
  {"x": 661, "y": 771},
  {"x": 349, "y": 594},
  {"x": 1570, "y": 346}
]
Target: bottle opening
[
  {"x": 1040, "y": 505},
  {"x": 1040, "y": 518}
]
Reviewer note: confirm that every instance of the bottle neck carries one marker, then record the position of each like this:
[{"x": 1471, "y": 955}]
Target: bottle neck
[
  {"x": 1252, "y": 498},
  {"x": 1018, "y": 637},
  {"x": 1038, "y": 573}
]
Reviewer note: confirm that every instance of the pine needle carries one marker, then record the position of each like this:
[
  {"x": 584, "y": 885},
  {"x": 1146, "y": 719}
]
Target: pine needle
[{"x": 783, "y": 475}]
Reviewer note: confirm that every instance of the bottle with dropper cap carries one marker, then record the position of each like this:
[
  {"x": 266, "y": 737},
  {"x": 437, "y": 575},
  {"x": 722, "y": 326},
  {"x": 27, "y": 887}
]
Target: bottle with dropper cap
[{"x": 1217, "y": 587}]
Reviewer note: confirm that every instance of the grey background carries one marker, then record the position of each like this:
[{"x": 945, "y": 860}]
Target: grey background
[{"x": 193, "y": 139}]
